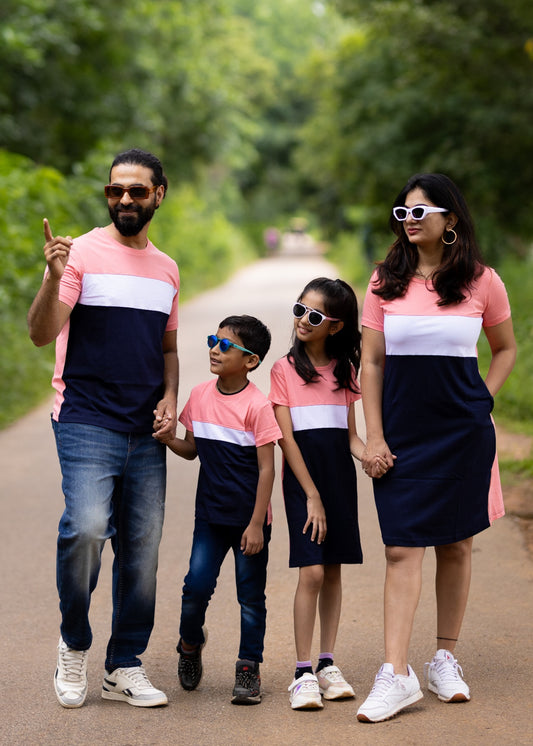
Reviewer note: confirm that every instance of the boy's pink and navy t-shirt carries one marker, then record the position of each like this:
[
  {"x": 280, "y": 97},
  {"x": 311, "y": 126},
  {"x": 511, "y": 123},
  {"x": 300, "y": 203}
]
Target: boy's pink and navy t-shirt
[
  {"x": 227, "y": 430},
  {"x": 109, "y": 359}
]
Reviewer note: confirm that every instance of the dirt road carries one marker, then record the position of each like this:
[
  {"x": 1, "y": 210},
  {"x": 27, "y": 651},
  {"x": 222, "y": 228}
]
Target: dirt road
[{"x": 495, "y": 649}]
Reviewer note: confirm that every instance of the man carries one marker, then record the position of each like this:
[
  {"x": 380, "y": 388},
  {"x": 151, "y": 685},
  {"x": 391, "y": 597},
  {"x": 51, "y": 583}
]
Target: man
[{"x": 110, "y": 298}]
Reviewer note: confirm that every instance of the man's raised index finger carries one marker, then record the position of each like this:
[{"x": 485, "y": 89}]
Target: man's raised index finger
[{"x": 47, "y": 232}]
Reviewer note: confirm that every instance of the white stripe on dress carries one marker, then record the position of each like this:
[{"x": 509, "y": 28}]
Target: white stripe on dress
[{"x": 453, "y": 336}]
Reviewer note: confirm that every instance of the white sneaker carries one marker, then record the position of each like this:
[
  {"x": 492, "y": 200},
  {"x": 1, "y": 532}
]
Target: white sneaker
[
  {"x": 133, "y": 686},
  {"x": 443, "y": 675},
  {"x": 390, "y": 694},
  {"x": 70, "y": 679},
  {"x": 305, "y": 693},
  {"x": 332, "y": 684}
]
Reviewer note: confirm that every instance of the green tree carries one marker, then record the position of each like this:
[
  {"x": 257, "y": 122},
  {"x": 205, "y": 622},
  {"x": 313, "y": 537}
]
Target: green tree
[{"x": 427, "y": 85}]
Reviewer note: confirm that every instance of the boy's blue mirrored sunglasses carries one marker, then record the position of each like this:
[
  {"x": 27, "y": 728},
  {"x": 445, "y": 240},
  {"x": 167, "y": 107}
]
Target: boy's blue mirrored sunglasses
[{"x": 225, "y": 344}]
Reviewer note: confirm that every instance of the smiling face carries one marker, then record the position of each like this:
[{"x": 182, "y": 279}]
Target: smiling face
[
  {"x": 130, "y": 216},
  {"x": 233, "y": 362},
  {"x": 303, "y": 330},
  {"x": 426, "y": 233}
]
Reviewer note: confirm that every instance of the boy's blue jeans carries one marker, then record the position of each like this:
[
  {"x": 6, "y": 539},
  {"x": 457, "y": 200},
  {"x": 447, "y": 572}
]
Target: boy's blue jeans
[
  {"x": 210, "y": 545},
  {"x": 114, "y": 488}
]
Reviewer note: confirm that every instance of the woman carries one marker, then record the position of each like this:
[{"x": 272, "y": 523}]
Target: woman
[{"x": 427, "y": 414}]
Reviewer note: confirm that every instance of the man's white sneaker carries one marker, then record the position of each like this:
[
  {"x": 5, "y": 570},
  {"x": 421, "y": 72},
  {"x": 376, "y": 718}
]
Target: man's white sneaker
[
  {"x": 70, "y": 679},
  {"x": 305, "y": 694},
  {"x": 390, "y": 694},
  {"x": 332, "y": 684},
  {"x": 444, "y": 677},
  {"x": 133, "y": 686}
]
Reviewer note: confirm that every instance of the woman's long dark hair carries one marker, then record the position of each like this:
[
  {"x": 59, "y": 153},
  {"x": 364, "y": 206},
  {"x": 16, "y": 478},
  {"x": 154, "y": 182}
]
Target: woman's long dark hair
[
  {"x": 345, "y": 346},
  {"x": 461, "y": 263}
]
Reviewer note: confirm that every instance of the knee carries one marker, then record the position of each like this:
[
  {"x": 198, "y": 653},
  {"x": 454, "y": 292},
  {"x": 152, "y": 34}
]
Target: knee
[
  {"x": 312, "y": 578},
  {"x": 86, "y": 527},
  {"x": 397, "y": 555},
  {"x": 459, "y": 552}
]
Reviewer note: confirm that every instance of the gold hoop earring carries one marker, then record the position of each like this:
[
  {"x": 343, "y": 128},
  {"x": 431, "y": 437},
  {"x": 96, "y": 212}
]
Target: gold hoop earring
[{"x": 449, "y": 243}]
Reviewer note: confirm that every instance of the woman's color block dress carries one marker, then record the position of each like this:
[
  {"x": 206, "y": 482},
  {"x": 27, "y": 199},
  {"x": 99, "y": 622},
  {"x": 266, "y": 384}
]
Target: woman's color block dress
[{"x": 436, "y": 412}]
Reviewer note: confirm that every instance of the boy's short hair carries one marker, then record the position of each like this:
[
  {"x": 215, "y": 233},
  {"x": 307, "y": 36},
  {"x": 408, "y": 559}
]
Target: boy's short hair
[{"x": 253, "y": 334}]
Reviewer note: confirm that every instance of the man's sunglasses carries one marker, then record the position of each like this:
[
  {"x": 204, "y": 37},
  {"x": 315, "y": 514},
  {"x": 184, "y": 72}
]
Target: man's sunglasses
[
  {"x": 113, "y": 191},
  {"x": 225, "y": 344},
  {"x": 314, "y": 317},
  {"x": 417, "y": 213}
]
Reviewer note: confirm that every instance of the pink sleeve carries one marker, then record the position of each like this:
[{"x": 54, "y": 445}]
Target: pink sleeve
[
  {"x": 266, "y": 428},
  {"x": 278, "y": 385},
  {"x": 185, "y": 416},
  {"x": 372, "y": 315},
  {"x": 497, "y": 308}
]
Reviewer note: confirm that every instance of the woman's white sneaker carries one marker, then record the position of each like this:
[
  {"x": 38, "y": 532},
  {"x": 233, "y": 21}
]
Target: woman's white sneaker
[
  {"x": 305, "y": 693},
  {"x": 70, "y": 679},
  {"x": 444, "y": 678},
  {"x": 390, "y": 694}
]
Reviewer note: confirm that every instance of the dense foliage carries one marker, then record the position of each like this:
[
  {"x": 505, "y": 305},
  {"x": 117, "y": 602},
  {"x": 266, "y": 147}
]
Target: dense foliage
[{"x": 259, "y": 112}]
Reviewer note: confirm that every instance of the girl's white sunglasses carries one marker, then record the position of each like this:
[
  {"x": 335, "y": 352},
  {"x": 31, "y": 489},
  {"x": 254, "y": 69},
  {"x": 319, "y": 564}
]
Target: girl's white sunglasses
[{"x": 418, "y": 212}]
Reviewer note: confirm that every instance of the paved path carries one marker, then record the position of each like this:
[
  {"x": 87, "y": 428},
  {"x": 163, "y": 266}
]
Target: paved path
[{"x": 495, "y": 651}]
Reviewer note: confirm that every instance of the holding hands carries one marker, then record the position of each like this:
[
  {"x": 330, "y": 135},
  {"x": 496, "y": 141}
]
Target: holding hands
[{"x": 377, "y": 458}]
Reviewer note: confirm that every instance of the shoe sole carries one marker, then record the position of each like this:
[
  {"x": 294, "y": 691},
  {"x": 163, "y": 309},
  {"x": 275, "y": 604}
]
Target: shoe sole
[
  {"x": 457, "y": 697},
  {"x": 307, "y": 706},
  {"x": 118, "y": 697},
  {"x": 239, "y": 700},
  {"x": 328, "y": 694},
  {"x": 409, "y": 701}
]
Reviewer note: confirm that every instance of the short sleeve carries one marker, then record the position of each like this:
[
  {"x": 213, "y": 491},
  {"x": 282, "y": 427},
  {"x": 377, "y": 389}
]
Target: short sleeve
[
  {"x": 185, "y": 416},
  {"x": 372, "y": 315},
  {"x": 266, "y": 428},
  {"x": 497, "y": 308},
  {"x": 278, "y": 385}
]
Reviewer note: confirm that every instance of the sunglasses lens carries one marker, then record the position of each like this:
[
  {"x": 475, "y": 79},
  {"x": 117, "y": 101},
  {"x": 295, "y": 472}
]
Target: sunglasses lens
[
  {"x": 315, "y": 318},
  {"x": 225, "y": 344},
  {"x": 298, "y": 310},
  {"x": 418, "y": 213},
  {"x": 400, "y": 213},
  {"x": 113, "y": 192},
  {"x": 138, "y": 192},
  {"x": 212, "y": 341}
]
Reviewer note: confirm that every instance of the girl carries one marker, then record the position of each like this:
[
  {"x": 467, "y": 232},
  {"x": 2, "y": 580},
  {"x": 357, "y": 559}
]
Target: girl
[{"x": 313, "y": 390}]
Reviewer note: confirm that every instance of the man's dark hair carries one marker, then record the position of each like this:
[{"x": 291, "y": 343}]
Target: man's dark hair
[
  {"x": 138, "y": 157},
  {"x": 253, "y": 334}
]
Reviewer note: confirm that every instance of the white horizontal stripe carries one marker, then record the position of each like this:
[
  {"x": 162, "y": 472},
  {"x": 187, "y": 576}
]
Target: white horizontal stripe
[
  {"x": 314, "y": 417},
  {"x": 454, "y": 336},
  {"x": 211, "y": 431},
  {"x": 127, "y": 291}
]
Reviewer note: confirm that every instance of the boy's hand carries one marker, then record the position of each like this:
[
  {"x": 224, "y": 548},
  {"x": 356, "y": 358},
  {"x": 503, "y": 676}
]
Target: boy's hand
[
  {"x": 252, "y": 540},
  {"x": 316, "y": 517}
]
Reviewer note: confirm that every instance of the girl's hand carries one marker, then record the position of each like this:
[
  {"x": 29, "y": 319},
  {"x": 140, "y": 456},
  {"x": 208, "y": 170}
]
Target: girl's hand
[
  {"x": 376, "y": 448},
  {"x": 378, "y": 467},
  {"x": 316, "y": 517}
]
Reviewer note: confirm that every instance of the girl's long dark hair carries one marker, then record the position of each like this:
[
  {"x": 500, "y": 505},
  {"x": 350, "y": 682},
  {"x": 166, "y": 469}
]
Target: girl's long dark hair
[
  {"x": 345, "y": 346},
  {"x": 461, "y": 263}
]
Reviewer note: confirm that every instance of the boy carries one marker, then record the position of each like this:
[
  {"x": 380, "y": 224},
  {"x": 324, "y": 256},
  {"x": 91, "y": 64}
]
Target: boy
[{"x": 231, "y": 426}]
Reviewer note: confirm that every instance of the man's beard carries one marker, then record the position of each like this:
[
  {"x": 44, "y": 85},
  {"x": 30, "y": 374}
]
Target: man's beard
[{"x": 132, "y": 223}]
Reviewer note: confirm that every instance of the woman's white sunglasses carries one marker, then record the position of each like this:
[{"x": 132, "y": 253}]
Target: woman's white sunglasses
[{"x": 418, "y": 212}]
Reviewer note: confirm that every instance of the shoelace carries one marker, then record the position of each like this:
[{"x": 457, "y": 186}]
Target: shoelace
[
  {"x": 247, "y": 679},
  {"x": 382, "y": 683},
  {"x": 305, "y": 685},
  {"x": 335, "y": 677},
  {"x": 73, "y": 663},
  {"x": 138, "y": 676},
  {"x": 448, "y": 670}
]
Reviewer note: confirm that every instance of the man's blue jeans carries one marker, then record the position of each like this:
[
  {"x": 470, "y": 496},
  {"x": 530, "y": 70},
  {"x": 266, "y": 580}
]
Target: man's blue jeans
[
  {"x": 114, "y": 488},
  {"x": 210, "y": 545}
]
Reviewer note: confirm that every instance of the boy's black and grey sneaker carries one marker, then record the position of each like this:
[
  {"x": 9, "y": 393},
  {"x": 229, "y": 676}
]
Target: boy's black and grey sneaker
[
  {"x": 190, "y": 665},
  {"x": 247, "y": 689}
]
